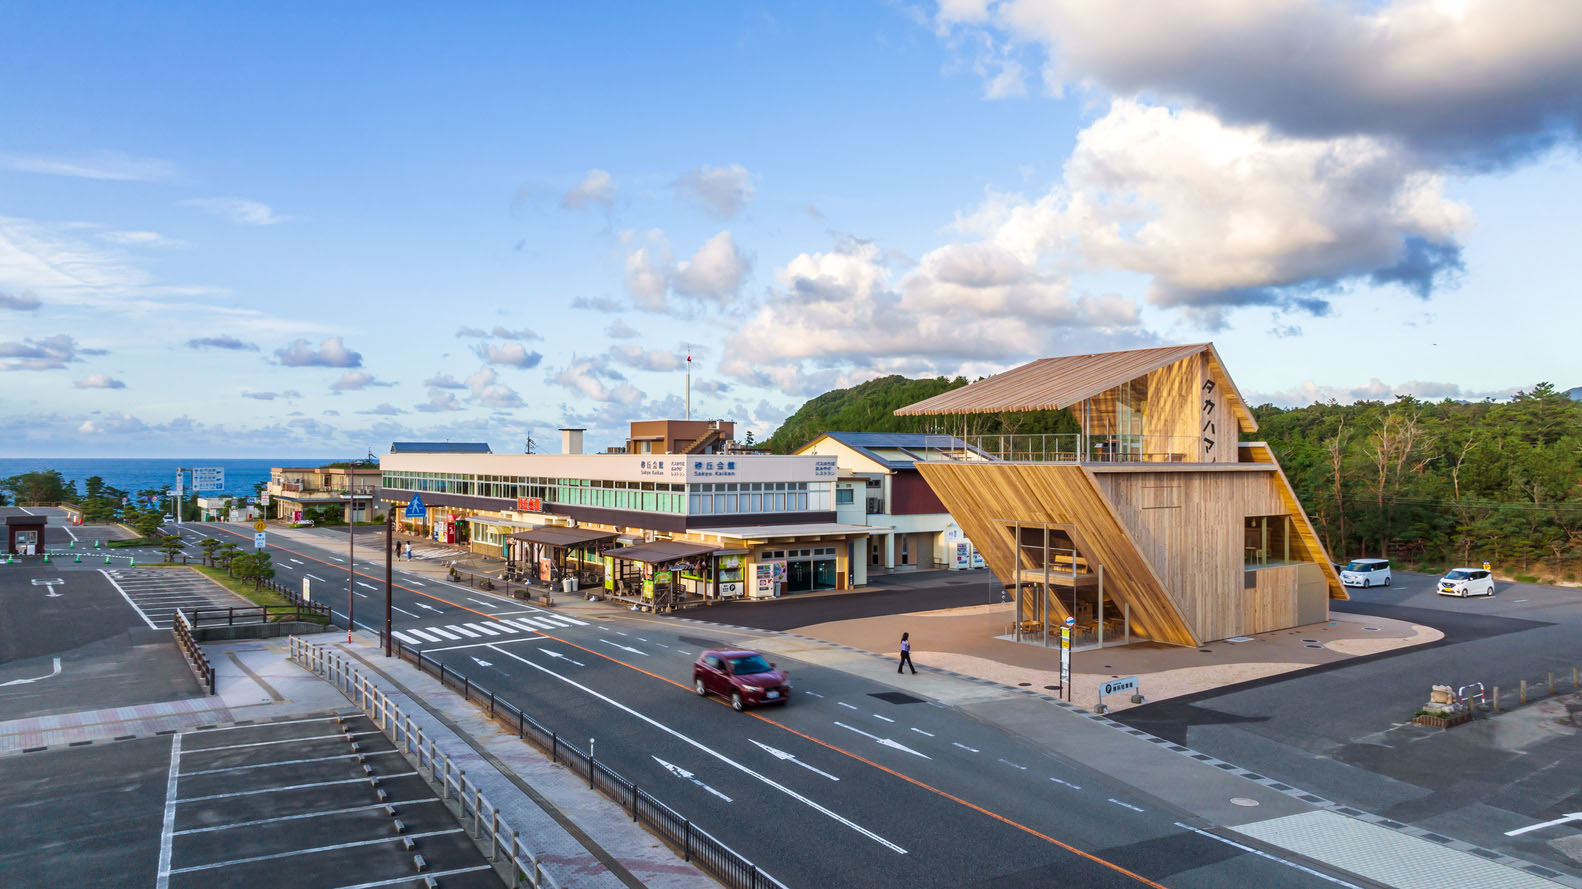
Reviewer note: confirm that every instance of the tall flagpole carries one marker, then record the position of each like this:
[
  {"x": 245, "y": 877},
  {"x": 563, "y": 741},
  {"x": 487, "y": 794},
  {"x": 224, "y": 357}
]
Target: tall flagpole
[{"x": 689, "y": 385}]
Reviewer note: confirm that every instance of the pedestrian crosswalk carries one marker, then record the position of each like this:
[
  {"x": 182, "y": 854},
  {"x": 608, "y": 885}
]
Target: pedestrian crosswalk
[{"x": 486, "y": 629}]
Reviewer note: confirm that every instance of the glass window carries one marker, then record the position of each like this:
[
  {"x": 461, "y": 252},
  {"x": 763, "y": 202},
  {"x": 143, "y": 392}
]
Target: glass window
[
  {"x": 730, "y": 502},
  {"x": 801, "y": 502},
  {"x": 780, "y": 503},
  {"x": 719, "y": 503}
]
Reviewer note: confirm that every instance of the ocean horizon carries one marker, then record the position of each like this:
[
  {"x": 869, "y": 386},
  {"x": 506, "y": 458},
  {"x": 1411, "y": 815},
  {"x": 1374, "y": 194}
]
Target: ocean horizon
[{"x": 133, "y": 474}]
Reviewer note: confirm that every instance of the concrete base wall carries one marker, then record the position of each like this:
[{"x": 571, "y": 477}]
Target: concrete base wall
[{"x": 257, "y": 631}]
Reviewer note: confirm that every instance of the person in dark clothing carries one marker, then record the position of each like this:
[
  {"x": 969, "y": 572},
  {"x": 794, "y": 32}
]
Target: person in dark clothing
[{"x": 906, "y": 654}]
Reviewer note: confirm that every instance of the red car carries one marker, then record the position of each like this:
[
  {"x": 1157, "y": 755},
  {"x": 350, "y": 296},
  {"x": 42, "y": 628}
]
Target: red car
[{"x": 744, "y": 678}]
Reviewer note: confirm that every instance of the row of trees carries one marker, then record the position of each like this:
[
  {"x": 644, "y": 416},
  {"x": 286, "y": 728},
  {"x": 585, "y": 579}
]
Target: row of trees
[
  {"x": 1434, "y": 483},
  {"x": 257, "y": 567}
]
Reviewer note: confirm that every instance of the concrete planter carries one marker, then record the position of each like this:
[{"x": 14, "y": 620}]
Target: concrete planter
[{"x": 1442, "y": 721}]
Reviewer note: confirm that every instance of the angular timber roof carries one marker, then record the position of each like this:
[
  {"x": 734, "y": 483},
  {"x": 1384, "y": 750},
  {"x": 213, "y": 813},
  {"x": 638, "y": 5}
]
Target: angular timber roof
[{"x": 1059, "y": 383}]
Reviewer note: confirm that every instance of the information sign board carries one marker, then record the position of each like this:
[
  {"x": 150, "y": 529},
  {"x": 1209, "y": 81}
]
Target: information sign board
[
  {"x": 1065, "y": 661},
  {"x": 258, "y": 540},
  {"x": 210, "y": 478}
]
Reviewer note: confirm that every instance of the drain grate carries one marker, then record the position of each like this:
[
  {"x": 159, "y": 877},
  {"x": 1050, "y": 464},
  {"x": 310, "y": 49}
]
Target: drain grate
[{"x": 897, "y": 697}]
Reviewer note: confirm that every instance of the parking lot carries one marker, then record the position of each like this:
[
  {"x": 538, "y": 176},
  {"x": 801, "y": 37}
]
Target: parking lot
[{"x": 156, "y": 593}]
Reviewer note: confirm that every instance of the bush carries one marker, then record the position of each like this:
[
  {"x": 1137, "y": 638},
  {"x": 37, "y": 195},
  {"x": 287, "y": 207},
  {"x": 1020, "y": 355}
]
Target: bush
[{"x": 1524, "y": 578}]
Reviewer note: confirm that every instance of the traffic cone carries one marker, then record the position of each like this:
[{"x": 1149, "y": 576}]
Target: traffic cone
[
  {"x": 46, "y": 558},
  {"x": 131, "y": 562},
  {"x": 107, "y": 558},
  {"x": 72, "y": 545},
  {"x": 95, "y": 544},
  {"x": 78, "y": 558}
]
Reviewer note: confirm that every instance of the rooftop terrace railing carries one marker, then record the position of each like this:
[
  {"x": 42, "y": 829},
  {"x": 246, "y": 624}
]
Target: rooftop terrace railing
[{"x": 1072, "y": 447}]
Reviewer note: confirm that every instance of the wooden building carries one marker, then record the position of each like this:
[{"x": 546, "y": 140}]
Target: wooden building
[{"x": 1153, "y": 522}]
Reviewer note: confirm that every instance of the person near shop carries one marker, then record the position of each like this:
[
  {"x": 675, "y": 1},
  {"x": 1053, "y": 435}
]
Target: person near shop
[
  {"x": 409, "y": 551},
  {"x": 906, "y": 654}
]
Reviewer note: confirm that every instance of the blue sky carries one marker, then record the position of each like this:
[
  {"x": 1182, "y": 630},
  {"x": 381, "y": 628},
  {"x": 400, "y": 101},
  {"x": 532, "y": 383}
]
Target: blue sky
[{"x": 237, "y": 232}]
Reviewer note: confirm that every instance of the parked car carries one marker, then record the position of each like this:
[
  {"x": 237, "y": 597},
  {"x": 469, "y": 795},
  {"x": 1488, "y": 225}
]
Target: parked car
[
  {"x": 1465, "y": 582},
  {"x": 744, "y": 678},
  {"x": 1366, "y": 573}
]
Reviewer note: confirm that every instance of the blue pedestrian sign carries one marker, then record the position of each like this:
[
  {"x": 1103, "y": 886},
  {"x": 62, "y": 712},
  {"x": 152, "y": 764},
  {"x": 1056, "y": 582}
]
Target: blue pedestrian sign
[{"x": 416, "y": 509}]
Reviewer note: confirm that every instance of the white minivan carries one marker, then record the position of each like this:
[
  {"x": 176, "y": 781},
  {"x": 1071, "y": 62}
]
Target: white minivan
[
  {"x": 1366, "y": 573},
  {"x": 1466, "y": 582}
]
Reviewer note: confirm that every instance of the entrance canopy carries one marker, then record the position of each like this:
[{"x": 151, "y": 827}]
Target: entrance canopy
[
  {"x": 564, "y": 537},
  {"x": 661, "y": 551}
]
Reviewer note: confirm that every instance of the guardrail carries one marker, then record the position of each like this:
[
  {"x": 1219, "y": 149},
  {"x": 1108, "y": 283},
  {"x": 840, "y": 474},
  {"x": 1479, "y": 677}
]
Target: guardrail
[
  {"x": 1066, "y": 447},
  {"x": 254, "y": 614},
  {"x": 181, "y": 628},
  {"x": 694, "y": 843},
  {"x": 525, "y": 866}
]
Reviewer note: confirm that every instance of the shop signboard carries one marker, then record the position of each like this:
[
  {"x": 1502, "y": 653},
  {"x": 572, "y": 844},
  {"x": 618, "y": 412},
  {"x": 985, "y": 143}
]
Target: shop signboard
[
  {"x": 609, "y": 573},
  {"x": 296, "y": 515},
  {"x": 530, "y": 504},
  {"x": 731, "y": 589},
  {"x": 546, "y": 567}
]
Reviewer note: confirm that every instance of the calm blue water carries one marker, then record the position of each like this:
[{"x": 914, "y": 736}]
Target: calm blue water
[{"x": 133, "y": 475}]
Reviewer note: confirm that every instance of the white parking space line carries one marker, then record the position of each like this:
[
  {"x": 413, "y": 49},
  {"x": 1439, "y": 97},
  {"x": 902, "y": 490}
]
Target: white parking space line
[
  {"x": 139, "y": 614},
  {"x": 287, "y": 762},
  {"x": 256, "y": 858},
  {"x": 199, "y": 799},
  {"x": 256, "y": 822},
  {"x": 197, "y": 750},
  {"x": 167, "y": 831},
  {"x": 434, "y": 874},
  {"x": 707, "y": 749}
]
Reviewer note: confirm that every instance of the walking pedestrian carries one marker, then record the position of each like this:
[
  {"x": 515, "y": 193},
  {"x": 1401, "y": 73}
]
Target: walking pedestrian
[
  {"x": 906, "y": 654},
  {"x": 409, "y": 551}
]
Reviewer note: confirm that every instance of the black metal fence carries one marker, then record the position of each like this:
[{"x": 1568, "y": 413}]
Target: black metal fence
[
  {"x": 181, "y": 628},
  {"x": 694, "y": 843},
  {"x": 255, "y": 614}
]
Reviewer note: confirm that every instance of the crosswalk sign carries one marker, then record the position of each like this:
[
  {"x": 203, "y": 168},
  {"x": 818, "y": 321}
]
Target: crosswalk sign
[{"x": 416, "y": 509}]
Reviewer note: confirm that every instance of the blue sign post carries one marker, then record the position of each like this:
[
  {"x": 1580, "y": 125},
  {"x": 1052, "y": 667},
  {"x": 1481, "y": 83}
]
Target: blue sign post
[{"x": 416, "y": 509}]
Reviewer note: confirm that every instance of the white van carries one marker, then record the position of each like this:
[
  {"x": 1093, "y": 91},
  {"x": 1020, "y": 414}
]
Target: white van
[{"x": 1366, "y": 573}]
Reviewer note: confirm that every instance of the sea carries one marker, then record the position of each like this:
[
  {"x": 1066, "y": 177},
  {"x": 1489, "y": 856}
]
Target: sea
[{"x": 136, "y": 474}]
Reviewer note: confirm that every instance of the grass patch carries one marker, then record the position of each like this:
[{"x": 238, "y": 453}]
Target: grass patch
[
  {"x": 243, "y": 588},
  {"x": 1525, "y": 578},
  {"x": 135, "y": 541}
]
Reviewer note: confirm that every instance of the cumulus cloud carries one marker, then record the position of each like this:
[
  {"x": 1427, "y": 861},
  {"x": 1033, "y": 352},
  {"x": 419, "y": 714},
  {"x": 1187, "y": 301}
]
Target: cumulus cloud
[
  {"x": 224, "y": 341},
  {"x": 112, "y": 424},
  {"x": 107, "y": 165},
  {"x": 331, "y": 353},
  {"x": 595, "y": 380},
  {"x": 509, "y": 354},
  {"x": 444, "y": 381},
  {"x": 99, "y": 381},
  {"x": 356, "y": 380},
  {"x": 48, "y": 353},
  {"x": 465, "y": 331},
  {"x": 723, "y": 191},
  {"x": 440, "y": 400},
  {"x": 619, "y": 330},
  {"x": 596, "y": 188},
  {"x": 385, "y": 409},
  {"x": 20, "y": 302},
  {"x": 1473, "y": 81},
  {"x": 597, "y": 304},
  {"x": 487, "y": 390},
  {"x": 1309, "y": 392},
  {"x": 714, "y": 274},
  {"x": 505, "y": 333},
  {"x": 238, "y": 210},
  {"x": 646, "y": 359}
]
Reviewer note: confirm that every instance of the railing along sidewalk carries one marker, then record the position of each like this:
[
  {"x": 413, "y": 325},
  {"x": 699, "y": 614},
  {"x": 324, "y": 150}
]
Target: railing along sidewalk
[
  {"x": 181, "y": 628},
  {"x": 525, "y": 866}
]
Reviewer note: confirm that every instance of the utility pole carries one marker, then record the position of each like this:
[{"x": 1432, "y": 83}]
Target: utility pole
[
  {"x": 389, "y": 544},
  {"x": 351, "y": 561},
  {"x": 689, "y": 384}
]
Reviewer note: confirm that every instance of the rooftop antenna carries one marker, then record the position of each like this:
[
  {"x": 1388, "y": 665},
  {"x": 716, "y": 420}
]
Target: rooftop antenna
[{"x": 689, "y": 380}]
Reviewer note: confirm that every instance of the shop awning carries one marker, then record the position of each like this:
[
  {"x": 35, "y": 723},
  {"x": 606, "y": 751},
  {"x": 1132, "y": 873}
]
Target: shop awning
[
  {"x": 661, "y": 551},
  {"x": 565, "y": 537},
  {"x": 500, "y": 523}
]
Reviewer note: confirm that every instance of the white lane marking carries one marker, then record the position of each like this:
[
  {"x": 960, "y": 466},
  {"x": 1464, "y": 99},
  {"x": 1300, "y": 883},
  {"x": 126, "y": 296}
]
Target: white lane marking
[
  {"x": 552, "y": 653},
  {"x": 167, "y": 831},
  {"x": 847, "y": 706},
  {"x": 298, "y": 561},
  {"x": 413, "y": 582},
  {"x": 571, "y": 620},
  {"x": 1067, "y": 783},
  {"x": 429, "y": 607},
  {"x": 714, "y": 753},
  {"x": 1574, "y": 816},
  {"x": 885, "y": 741},
  {"x": 360, "y": 595},
  {"x": 441, "y": 633},
  {"x": 404, "y": 637},
  {"x": 661, "y": 645},
  {"x": 1124, "y": 805},
  {"x": 468, "y": 633},
  {"x": 366, "y": 586},
  {"x": 67, "y": 528},
  {"x": 965, "y": 747},
  {"x": 339, "y": 559},
  {"x": 921, "y": 732},
  {"x": 619, "y": 633},
  {"x": 199, "y": 799},
  {"x": 522, "y": 625},
  {"x": 1014, "y": 765},
  {"x": 274, "y": 855},
  {"x": 885, "y": 718},
  {"x": 55, "y": 672},
  {"x": 484, "y": 629},
  {"x": 131, "y": 603},
  {"x": 254, "y": 823},
  {"x": 641, "y": 639},
  {"x": 319, "y": 579},
  {"x": 624, "y": 647},
  {"x": 483, "y": 603},
  {"x": 1262, "y": 854},
  {"x": 788, "y": 757},
  {"x": 424, "y": 636},
  {"x": 813, "y": 693},
  {"x": 404, "y": 611},
  {"x": 680, "y": 772},
  {"x": 506, "y": 627}
]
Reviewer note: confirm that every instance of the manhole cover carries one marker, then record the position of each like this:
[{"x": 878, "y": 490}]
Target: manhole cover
[
  {"x": 1309, "y": 640},
  {"x": 1052, "y": 687},
  {"x": 1024, "y": 683},
  {"x": 896, "y": 697},
  {"x": 1243, "y": 801},
  {"x": 1371, "y": 629},
  {"x": 1310, "y": 645}
]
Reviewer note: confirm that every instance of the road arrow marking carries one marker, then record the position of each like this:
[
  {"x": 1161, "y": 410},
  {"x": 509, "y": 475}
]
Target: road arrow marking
[
  {"x": 55, "y": 672},
  {"x": 553, "y": 653},
  {"x": 624, "y": 648},
  {"x": 680, "y": 772},
  {"x": 788, "y": 757},
  {"x": 483, "y": 603},
  {"x": 1574, "y": 816},
  {"x": 885, "y": 741},
  {"x": 429, "y": 607},
  {"x": 481, "y": 662}
]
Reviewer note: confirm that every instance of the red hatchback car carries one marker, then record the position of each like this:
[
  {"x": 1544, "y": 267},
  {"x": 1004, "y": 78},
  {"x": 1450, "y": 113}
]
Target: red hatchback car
[{"x": 744, "y": 678}]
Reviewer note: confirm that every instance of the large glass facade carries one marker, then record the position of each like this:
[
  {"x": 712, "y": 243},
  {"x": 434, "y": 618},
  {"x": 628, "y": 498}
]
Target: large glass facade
[
  {"x": 717, "y": 498},
  {"x": 1114, "y": 420}
]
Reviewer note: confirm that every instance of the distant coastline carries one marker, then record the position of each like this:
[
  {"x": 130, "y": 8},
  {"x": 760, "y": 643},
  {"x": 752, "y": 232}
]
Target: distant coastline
[{"x": 132, "y": 474}]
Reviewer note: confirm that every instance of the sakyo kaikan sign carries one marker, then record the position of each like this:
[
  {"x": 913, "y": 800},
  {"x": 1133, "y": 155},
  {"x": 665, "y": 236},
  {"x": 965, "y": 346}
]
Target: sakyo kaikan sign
[{"x": 709, "y": 468}]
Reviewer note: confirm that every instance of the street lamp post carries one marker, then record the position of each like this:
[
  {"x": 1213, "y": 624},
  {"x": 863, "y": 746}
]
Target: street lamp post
[
  {"x": 389, "y": 543},
  {"x": 351, "y": 561}
]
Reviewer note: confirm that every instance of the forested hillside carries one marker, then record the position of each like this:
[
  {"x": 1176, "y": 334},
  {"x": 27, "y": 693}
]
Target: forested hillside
[
  {"x": 1428, "y": 483},
  {"x": 1442, "y": 482}
]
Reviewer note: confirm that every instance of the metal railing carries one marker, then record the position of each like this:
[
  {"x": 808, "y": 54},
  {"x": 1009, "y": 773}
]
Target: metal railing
[
  {"x": 694, "y": 843},
  {"x": 181, "y": 628},
  {"x": 254, "y": 614},
  {"x": 1068, "y": 447},
  {"x": 525, "y": 867}
]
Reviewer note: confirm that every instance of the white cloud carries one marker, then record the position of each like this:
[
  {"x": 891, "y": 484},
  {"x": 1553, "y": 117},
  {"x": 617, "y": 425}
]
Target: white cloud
[
  {"x": 356, "y": 380},
  {"x": 646, "y": 359},
  {"x": 714, "y": 274},
  {"x": 465, "y": 331},
  {"x": 618, "y": 330},
  {"x": 112, "y": 424},
  {"x": 223, "y": 341},
  {"x": 444, "y": 381},
  {"x": 522, "y": 333},
  {"x": 1476, "y": 80},
  {"x": 99, "y": 381},
  {"x": 723, "y": 191},
  {"x": 510, "y": 354},
  {"x": 24, "y": 302},
  {"x": 107, "y": 165},
  {"x": 440, "y": 400},
  {"x": 488, "y": 391},
  {"x": 331, "y": 353},
  {"x": 385, "y": 409},
  {"x": 140, "y": 239},
  {"x": 238, "y": 210},
  {"x": 47, "y": 353},
  {"x": 596, "y": 381},
  {"x": 1309, "y": 392},
  {"x": 596, "y": 188}
]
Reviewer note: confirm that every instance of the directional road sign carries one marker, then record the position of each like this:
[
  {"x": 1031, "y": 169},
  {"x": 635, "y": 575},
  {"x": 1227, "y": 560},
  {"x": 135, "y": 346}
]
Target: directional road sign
[
  {"x": 416, "y": 509},
  {"x": 211, "y": 478}
]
